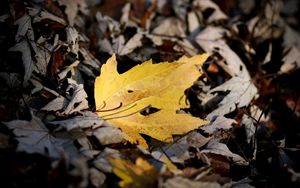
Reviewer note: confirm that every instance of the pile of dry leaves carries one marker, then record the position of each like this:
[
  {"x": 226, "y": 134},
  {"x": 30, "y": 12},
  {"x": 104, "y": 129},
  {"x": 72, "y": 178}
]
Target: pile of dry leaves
[{"x": 82, "y": 104}]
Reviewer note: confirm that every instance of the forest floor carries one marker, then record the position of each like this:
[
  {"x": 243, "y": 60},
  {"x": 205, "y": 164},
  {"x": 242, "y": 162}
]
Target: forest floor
[{"x": 54, "y": 132}]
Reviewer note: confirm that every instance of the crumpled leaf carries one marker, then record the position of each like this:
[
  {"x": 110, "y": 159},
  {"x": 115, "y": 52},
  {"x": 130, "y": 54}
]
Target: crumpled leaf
[
  {"x": 178, "y": 152},
  {"x": 242, "y": 90},
  {"x": 241, "y": 94},
  {"x": 138, "y": 175},
  {"x": 75, "y": 101},
  {"x": 78, "y": 97},
  {"x": 159, "y": 86},
  {"x": 214, "y": 146},
  {"x": 34, "y": 137},
  {"x": 219, "y": 123}
]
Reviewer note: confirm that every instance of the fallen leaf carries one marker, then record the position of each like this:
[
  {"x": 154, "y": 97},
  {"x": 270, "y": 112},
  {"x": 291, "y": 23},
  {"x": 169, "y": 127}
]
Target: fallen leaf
[
  {"x": 72, "y": 39},
  {"x": 56, "y": 104},
  {"x": 87, "y": 120},
  {"x": 291, "y": 37},
  {"x": 291, "y": 61},
  {"x": 241, "y": 94},
  {"x": 97, "y": 178},
  {"x": 242, "y": 90},
  {"x": 132, "y": 44},
  {"x": 108, "y": 135},
  {"x": 178, "y": 152},
  {"x": 106, "y": 23},
  {"x": 24, "y": 28},
  {"x": 181, "y": 182},
  {"x": 72, "y": 8},
  {"x": 78, "y": 98},
  {"x": 170, "y": 27},
  {"x": 75, "y": 101},
  {"x": 34, "y": 137},
  {"x": 217, "y": 14},
  {"x": 214, "y": 146},
  {"x": 193, "y": 21},
  {"x": 40, "y": 15},
  {"x": 219, "y": 123},
  {"x": 250, "y": 121},
  {"x": 89, "y": 59},
  {"x": 138, "y": 175},
  {"x": 159, "y": 86},
  {"x": 211, "y": 40},
  {"x": 180, "y": 8},
  {"x": 102, "y": 161}
]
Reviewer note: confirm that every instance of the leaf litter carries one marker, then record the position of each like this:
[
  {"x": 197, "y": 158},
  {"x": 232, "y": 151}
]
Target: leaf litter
[{"x": 244, "y": 107}]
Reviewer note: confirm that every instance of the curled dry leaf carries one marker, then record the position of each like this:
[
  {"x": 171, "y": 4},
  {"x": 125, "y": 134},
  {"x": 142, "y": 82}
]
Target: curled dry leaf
[
  {"x": 75, "y": 101},
  {"x": 123, "y": 98},
  {"x": 78, "y": 100},
  {"x": 214, "y": 146},
  {"x": 178, "y": 152}
]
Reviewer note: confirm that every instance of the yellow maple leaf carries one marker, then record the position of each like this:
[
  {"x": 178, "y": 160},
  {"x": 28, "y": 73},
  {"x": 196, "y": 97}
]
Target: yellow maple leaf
[
  {"x": 138, "y": 175},
  {"x": 120, "y": 98}
]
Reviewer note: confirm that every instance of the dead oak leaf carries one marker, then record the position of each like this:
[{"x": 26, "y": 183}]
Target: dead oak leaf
[{"x": 121, "y": 98}]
